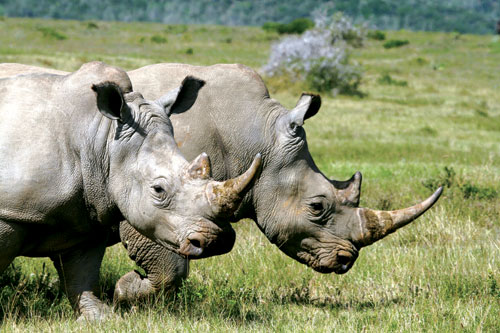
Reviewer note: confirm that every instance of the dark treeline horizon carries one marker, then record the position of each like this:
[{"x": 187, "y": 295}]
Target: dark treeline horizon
[{"x": 464, "y": 16}]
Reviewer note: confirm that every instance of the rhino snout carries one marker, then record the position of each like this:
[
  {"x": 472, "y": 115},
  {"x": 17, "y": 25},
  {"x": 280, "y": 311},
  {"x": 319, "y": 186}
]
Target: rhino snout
[
  {"x": 344, "y": 261},
  {"x": 207, "y": 243}
]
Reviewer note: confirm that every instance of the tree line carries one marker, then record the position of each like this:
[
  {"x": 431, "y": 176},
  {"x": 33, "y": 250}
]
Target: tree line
[{"x": 464, "y": 16}]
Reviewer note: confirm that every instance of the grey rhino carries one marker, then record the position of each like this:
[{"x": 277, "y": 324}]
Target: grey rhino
[
  {"x": 81, "y": 152},
  {"x": 311, "y": 218}
]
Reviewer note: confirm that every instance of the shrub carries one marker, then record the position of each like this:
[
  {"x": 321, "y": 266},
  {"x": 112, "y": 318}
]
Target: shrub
[
  {"x": 270, "y": 26},
  {"x": 421, "y": 61},
  {"x": 471, "y": 191},
  {"x": 338, "y": 77},
  {"x": 395, "y": 43},
  {"x": 158, "y": 39},
  {"x": 376, "y": 35},
  {"x": 176, "y": 29},
  {"x": 51, "y": 33},
  {"x": 386, "y": 79},
  {"x": 189, "y": 51},
  {"x": 447, "y": 179},
  {"x": 92, "y": 25},
  {"x": 320, "y": 56},
  {"x": 297, "y": 26}
]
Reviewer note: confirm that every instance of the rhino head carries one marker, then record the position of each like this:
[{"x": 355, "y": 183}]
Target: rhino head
[
  {"x": 171, "y": 201},
  {"x": 311, "y": 218}
]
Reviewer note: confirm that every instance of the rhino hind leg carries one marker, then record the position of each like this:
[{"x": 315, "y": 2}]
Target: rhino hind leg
[
  {"x": 164, "y": 269},
  {"x": 78, "y": 271}
]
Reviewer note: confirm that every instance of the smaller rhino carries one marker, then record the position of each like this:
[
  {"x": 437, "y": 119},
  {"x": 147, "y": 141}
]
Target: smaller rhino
[{"x": 81, "y": 152}]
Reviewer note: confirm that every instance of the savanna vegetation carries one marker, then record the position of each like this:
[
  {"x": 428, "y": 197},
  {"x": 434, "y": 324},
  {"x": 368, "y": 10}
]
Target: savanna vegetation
[{"x": 429, "y": 115}]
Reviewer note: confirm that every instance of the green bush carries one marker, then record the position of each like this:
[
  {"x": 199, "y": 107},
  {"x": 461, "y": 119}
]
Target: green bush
[
  {"x": 447, "y": 179},
  {"x": 51, "y": 33},
  {"x": 376, "y": 35},
  {"x": 297, "y": 26},
  {"x": 158, "y": 39},
  {"x": 92, "y": 25},
  {"x": 330, "y": 77},
  {"x": 395, "y": 43},
  {"x": 471, "y": 191},
  {"x": 386, "y": 79},
  {"x": 176, "y": 29},
  {"x": 270, "y": 26},
  {"x": 189, "y": 51}
]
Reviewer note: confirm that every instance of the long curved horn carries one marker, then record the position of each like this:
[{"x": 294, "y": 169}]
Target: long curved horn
[
  {"x": 226, "y": 196},
  {"x": 376, "y": 224}
]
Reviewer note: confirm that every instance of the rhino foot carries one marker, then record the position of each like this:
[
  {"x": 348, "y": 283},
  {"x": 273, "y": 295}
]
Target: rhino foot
[
  {"x": 132, "y": 287},
  {"x": 91, "y": 308}
]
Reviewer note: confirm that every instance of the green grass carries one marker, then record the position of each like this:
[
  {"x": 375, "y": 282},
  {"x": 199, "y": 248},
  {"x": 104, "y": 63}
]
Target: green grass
[{"x": 442, "y": 273}]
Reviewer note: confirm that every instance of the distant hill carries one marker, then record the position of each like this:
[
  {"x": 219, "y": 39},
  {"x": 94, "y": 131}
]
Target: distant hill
[{"x": 465, "y": 16}]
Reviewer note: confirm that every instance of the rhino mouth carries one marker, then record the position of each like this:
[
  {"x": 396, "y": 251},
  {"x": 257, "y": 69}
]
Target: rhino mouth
[{"x": 336, "y": 257}]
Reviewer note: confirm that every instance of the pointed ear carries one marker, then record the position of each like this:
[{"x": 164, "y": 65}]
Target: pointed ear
[
  {"x": 110, "y": 101},
  {"x": 307, "y": 106},
  {"x": 181, "y": 99}
]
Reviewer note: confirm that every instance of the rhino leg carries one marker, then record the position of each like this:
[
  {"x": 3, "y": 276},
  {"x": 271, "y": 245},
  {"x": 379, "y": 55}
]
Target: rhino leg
[
  {"x": 164, "y": 269},
  {"x": 79, "y": 274},
  {"x": 11, "y": 241}
]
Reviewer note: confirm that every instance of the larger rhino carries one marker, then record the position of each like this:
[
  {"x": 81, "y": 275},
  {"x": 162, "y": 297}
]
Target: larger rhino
[
  {"x": 310, "y": 218},
  {"x": 81, "y": 152}
]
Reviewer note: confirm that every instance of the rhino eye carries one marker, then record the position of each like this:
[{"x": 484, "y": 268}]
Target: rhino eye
[
  {"x": 161, "y": 194},
  {"x": 316, "y": 207},
  {"x": 158, "y": 189}
]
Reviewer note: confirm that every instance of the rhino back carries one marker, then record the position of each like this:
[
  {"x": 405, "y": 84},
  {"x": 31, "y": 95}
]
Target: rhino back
[{"x": 11, "y": 69}]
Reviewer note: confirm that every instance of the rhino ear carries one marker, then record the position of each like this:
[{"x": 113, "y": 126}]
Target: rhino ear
[
  {"x": 110, "y": 101},
  {"x": 307, "y": 106},
  {"x": 181, "y": 99}
]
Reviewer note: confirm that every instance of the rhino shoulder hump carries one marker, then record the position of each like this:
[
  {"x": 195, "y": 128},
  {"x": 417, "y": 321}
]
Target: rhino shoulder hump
[{"x": 98, "y": 71}]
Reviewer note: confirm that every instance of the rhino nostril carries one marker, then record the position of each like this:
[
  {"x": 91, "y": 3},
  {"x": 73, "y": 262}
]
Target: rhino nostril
[
  {"x": 197, "y": 240},
  {"x": 343, "y": 260},
  {"x": 195, "y": 243}
]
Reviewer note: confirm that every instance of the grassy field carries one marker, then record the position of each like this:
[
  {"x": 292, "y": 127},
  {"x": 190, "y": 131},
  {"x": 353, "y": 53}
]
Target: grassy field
[{"x": 442, "y": 273}]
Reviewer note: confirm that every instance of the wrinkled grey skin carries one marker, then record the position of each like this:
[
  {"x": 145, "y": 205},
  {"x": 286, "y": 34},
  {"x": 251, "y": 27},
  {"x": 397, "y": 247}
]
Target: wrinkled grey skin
[
  {"x": 81, "y": 152},
  {"x": 309, "y": 217}
]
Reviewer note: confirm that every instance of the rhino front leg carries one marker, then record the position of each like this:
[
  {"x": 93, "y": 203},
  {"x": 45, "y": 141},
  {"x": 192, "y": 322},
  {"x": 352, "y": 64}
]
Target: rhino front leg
[
  {"x": 164, "y": 269},
  {"x": 79, "y": 274},
  {"x": 11, "y": 240}
]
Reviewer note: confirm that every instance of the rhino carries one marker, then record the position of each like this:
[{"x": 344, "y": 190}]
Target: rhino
[
  {"x": 312, "y": 219},
  {"x": 81, "y": 152}
]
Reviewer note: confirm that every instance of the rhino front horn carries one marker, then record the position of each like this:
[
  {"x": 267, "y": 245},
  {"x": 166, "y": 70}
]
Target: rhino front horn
[
  {"x": 226, "y": 196},
  {"x": 376, "y": 224}
]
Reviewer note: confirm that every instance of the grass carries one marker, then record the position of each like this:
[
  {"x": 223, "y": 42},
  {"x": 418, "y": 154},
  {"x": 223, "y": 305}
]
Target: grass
[{"x": 442, "y": 273}]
